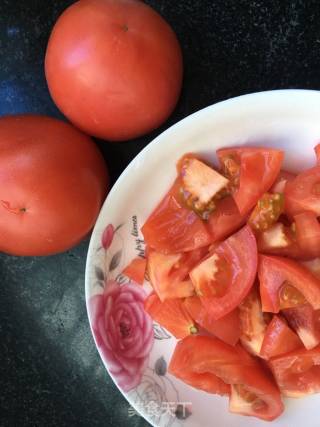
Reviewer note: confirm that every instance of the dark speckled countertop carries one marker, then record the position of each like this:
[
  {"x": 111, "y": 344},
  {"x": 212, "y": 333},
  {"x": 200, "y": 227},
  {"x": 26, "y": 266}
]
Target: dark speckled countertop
[{"x": 50, "y": 371}]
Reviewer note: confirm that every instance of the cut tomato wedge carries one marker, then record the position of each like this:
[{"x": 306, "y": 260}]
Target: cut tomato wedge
[
  {"x": 224, "y": 279},
  {"x": 253, "y": 391},
  {"x": 267, "y": 211},
  {"x": 278, "y": 339},
  {"x": 308, "y": 233},
  {"x": 303, "y": 193},
  {"x": 225, "y": 219},
  {"x": 285, "y": 283},
  {"x": 317, "y": 151},
  {"x": 281, "y": 181},
  {"x": 306, "y": 322},
  {"x": 136, "y": 270},
  {"x": 258, "y": 168},
  {"x": 170, "y": 314},
  {"x": 226, "y": 328},
  {"x": 168, "y": 274},
  {"x": 298, "y": 372},
  {"x": 253, "y": 322},
  {"x": 173, "y": 228},
  {"x": 313, "y": 265}
]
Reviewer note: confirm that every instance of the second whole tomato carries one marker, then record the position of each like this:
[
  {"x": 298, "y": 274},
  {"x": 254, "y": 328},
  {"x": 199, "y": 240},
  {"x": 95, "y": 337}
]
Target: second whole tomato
[{"x": 114, "y": 67}]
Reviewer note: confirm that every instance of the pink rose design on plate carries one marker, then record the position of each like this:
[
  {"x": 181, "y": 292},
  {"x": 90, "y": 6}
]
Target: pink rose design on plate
[
  {"x": 107, "y": 236},
  {"x": 123, "y": 332}
]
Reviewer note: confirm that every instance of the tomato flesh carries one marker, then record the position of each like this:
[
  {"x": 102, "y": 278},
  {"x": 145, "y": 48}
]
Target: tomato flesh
[
  {"x": 308, "y": 233},
  {"x": 285, "y": 283},
  {"x": 224, "y": 279},
  {"x": 173, "y": 228},
  {"x": 306, "y": 322},
  {"x": 171, "y": 314},
  {"x": 226, "y": 328},
  {"x": 281, "y": 181},
  {"x": 259, "y": 168},
  {"x": 266, "y": 212},
  {"x": 136, "y": 270},
  {"x": 278, "y": 339}
]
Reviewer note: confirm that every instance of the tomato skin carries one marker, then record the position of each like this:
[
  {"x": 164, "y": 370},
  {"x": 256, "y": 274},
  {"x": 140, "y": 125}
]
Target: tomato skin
[
  {"x": 274, "y": 271},
  {"x": 259, "y": 168},
  {"x": 114, "y": 67},
  {"x": 302, "y": 193},
  {"x": 239, "y": 252},
  {"x": 170, "y": 314},
  {"x": 53, "y": 182},
  {"x": 136, "y": 270},
  {"x": 172, "y": 228},
  {"x": 306, "y": 322},
  {"x": 297, "y": 373},
  {"x": 279, "y": 339},
  {"x": 308, "y": 233},
  {"x": 226, "y": 328}
]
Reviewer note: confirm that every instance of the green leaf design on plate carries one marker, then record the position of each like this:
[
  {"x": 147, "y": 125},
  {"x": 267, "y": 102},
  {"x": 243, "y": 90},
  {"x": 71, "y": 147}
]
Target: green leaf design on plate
[{"x": 115, "y": 260}]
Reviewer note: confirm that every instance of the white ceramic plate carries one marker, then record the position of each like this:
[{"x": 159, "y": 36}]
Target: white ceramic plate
[{"x": 135, "y": 351}]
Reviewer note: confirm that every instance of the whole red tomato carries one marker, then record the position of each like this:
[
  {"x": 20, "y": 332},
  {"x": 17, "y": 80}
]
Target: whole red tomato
[
  {"x": 53, "y": 180},
  {"x": 114, "y": 67}
]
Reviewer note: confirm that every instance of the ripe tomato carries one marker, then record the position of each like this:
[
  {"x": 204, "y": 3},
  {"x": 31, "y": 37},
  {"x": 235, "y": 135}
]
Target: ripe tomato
[
  {"x": 253, "y": 322},
  {"x": 224, "y": 278},
  {"x": 306, "y": 322},
  {"x": 297, "y": 373},
  {"x": 317, "y": 151},
  {"x": 173, "y": 228},
  {"x": 226, "y": 328},
  {"x": 281, "y": 181},
  {"x": 171, "y": 314},
  {"x": 253, "y": 171},
  {"x": 53, "y": 181},
  {"x": 308, "y": 233},
  {"x": 168, "y": 274},
  {"x": 136, "y": 270},
  {"x": 278, "y": 339},
  {"x": 114, "y": 67},
  {"x": 302, "y": 193},
  {"x": 285, "y": 283},
  {"x": 253, "y": 391}
]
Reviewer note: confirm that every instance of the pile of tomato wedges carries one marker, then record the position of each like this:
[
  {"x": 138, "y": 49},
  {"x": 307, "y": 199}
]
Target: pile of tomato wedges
[{"x": 233, "y": 256}]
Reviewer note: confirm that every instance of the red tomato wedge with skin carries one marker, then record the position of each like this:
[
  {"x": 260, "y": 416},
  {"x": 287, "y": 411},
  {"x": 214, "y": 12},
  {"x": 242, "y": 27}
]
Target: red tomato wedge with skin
[
  {"x": 308, "y": 233},
  {"x": 225, "y": 219},
  {"x": 258, "y": 170},
  {"x": 168, "y": 274},
  {"x": 303, "y": 193},
  {"x": 253, "y": 391},
  {"x": 279, "y": 339},
  {"x": 281, "y": 181},
  {"x": 224, "y": 278},
  {"x": 285, "y": 283},
  {"x": 253, "y": 322},
  {"x": 170, "y": 314},
  {"x": 306, "y": 322},
  {"x": 317, "y": 151},
  {"x": 226, "y": 328},
  {"x": 172, "y": 228},
  {"x": 136, "y": 270},
  {"x": 298, "y": 372}
]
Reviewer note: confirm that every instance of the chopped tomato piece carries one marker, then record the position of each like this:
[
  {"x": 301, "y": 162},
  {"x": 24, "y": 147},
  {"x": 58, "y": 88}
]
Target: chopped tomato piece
[
  {"x": 278, "y": 339},
  {"x": 281, "y": 181},
  {"x": 308, "y": 233},
  {"x": 285, "y": 283},
  {"x": 225, "y": 219},
  {"x": 306, "y": 322},
  {"x": 226, "y": 328},
  {"x": 249, "y": 381},
  {"x": 313, "y": 265},
  {"x": 253, "y": 171},
  {"x": 317, "y": 151},
  {"x": 173, "y": 228},
  {"x": 267, "y": 211},
  {"x": 224, "y": 278},
  {"x": 200, "y": 185},
  {"x": 136, "y": 270},
  {"x": 168, "y": 274},
  {"x": 253, "y": 322},
  {"x": 298, "y": 372},
  {"x": 303, "y": 193},
  {"x": 170, "y": 314}
]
